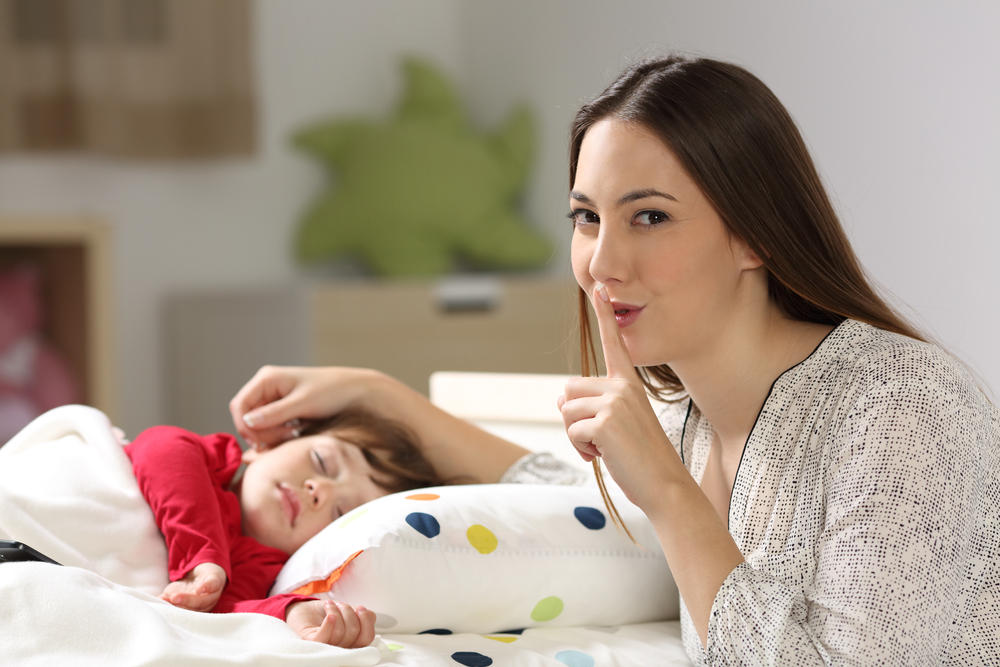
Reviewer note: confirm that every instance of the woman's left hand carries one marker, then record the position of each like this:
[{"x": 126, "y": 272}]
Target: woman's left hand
[{"x": 611, "y": 418}]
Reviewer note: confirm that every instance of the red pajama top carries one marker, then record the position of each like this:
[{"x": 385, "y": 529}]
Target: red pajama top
[{"x": 185, "y": 479}]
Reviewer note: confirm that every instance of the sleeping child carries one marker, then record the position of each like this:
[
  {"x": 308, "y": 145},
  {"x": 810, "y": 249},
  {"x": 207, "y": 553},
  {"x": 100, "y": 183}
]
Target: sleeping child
[{"x": 228, "y": 535}]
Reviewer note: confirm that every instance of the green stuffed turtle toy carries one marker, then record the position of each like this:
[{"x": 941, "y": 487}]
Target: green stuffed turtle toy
[{"x": 422, "y": 193}]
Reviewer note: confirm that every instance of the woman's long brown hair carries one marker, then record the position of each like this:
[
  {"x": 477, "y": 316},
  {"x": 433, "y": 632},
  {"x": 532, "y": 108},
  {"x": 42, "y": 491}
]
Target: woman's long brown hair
[{"x": 740, "y": 145}]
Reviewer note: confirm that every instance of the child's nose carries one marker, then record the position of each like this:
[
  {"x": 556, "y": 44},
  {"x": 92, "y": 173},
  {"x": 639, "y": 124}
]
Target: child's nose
[{"x": 319, "y": 492}]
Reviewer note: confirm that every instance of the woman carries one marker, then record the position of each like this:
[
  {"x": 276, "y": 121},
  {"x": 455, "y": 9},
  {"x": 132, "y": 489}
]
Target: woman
[{"x": 824, "y": 483}]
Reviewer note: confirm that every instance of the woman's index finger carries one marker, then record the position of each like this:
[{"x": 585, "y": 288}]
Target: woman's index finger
[{"x": 616, "y": 357}]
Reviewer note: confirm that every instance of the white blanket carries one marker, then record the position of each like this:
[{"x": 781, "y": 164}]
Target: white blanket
[{"x": 67, "y": 489}]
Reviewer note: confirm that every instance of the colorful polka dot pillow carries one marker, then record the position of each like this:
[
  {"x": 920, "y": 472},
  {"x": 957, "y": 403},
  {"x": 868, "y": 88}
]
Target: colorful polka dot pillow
[{"x": 488, "y": 558}]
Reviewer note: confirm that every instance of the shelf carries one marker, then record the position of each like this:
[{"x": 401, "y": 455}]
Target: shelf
[{"x": 74, "y": 258}]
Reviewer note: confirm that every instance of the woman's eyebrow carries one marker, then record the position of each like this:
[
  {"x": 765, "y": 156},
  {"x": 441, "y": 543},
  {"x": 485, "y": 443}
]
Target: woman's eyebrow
[
  {"x": 643, "y": 193},
  {"x": 627, "y": 197}
]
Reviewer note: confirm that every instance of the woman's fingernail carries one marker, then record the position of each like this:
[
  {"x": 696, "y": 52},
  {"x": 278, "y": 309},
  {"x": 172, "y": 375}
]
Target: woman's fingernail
[
  {"x": 602, "y": 293},
  {"x": 248, "y": 419}
]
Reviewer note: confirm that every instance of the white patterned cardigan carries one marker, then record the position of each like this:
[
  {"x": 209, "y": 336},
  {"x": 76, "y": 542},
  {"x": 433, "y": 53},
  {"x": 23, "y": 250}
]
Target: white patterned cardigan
[{"x": 867, "y": 507}]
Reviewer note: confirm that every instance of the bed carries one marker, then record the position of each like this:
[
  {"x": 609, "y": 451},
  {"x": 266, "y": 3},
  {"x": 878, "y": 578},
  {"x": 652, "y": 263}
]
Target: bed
[{"x": 478, "y": 575}]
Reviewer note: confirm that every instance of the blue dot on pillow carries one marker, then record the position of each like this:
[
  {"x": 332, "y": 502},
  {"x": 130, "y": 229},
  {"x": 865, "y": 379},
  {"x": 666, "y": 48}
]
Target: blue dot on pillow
[
  {"x": 574, "y": 659},
  {"x": 471, "y": 659},
  {"x": 424, "y": 524},
  {"x": 591, "y": 517}
]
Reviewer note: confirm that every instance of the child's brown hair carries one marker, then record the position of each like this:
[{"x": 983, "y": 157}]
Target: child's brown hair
[{"x": 388, "y": 446}]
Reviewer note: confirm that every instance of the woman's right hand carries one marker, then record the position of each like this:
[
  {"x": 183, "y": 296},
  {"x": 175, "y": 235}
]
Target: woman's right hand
[{"x": 266, "y": 408}]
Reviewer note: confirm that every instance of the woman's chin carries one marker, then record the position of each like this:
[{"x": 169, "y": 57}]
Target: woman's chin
[{"x": 641, "y": 360}]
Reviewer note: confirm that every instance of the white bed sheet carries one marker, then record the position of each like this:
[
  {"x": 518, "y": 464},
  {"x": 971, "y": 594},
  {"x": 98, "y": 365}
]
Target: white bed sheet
[
  {"x": 66, "y": 489},
  {"x": 621, "y": 646}
]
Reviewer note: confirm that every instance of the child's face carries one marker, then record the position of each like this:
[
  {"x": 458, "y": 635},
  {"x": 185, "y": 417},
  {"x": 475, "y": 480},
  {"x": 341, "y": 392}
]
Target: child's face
[{"x": 293, "y": 491}]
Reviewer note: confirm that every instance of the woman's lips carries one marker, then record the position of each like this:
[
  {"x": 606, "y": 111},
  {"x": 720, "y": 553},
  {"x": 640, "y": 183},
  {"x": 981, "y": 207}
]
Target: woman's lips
[
  {"x": 626, "y": 313},
  {"x": 289, "y": 503}
]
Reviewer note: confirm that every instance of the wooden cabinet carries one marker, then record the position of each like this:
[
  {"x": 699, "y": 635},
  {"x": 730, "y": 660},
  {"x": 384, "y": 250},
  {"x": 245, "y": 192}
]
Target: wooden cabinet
[
  {"x": 407, "y": 329},
  {"x": 74, "y": 259},
  {"x": 411, "y": 329}
]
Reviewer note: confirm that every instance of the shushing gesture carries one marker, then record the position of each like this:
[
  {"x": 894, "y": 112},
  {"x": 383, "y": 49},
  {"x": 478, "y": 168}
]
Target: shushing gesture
[{"x": 611, "y": 418}]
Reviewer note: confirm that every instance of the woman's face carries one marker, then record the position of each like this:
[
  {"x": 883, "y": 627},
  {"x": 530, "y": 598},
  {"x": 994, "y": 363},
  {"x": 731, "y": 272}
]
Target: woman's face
[
  {"x": 644, "y": 230},
  {"x": 290, "y": 493}
]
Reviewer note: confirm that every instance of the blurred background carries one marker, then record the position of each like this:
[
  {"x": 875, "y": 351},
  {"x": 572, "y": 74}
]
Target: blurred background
[{"x": 166, "y": 266}]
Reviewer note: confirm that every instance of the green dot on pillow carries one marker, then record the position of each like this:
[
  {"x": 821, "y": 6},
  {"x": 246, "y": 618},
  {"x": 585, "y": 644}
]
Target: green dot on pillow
[
  {"x": 547, "y": 609},
  {"x": 482, "y": 538},
  {"x": 351, "y": 517}
]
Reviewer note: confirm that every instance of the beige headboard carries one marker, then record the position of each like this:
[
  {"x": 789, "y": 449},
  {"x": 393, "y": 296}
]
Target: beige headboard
[{"x": 520, "y": 407}]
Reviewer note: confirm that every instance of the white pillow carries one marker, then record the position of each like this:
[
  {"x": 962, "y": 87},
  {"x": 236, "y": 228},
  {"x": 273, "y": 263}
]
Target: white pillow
[{"x": 488, "y": 558}]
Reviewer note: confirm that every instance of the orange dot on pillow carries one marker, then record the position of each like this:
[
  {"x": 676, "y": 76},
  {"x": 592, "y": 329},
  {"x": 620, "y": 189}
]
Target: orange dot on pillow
[
  {"x": 482, "y": 538},
  {"x": 423, "y": 496}
]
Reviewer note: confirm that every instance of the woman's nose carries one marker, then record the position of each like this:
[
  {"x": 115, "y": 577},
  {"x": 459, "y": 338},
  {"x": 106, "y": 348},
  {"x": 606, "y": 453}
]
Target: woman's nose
[{"x": 608, "y": 262}]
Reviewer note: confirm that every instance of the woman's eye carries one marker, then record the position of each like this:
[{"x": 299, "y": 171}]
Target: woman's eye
[
  {"x": 651, "y": 218},
  {"x": 581, "y": 216}
]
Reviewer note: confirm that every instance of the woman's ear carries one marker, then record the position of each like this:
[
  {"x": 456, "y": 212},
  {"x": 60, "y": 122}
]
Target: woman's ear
[
  {"x": 746, "y": 257},
  {"x": 752, "y": 260}
]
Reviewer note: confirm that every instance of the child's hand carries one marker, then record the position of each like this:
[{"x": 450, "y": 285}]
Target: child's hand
[
  {"x": 199, "y": 590},
  {"x": 334, "y": 623}
]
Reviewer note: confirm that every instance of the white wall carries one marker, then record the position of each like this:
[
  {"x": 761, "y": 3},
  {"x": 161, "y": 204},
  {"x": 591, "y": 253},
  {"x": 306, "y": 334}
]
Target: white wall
[
  {"x": 224, "y": 223},
  {"x": 899, "y": 104}
]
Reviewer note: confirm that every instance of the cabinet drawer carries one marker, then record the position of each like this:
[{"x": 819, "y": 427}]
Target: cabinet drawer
[{"x": 410, "y": 330}]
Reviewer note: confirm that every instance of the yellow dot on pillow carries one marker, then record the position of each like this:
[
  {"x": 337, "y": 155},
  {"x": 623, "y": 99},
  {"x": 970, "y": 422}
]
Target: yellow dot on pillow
[
  {"x": 394, "y": 647},
  {"x": 423, "y": 496},
  {"x": 547, "y": 609},
  {"x": 506, "y": 639},
  {"x": 481, "y": 538}
]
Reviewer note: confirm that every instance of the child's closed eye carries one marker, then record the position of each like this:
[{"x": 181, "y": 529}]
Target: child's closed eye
[{"x": 319, "y": 463}]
